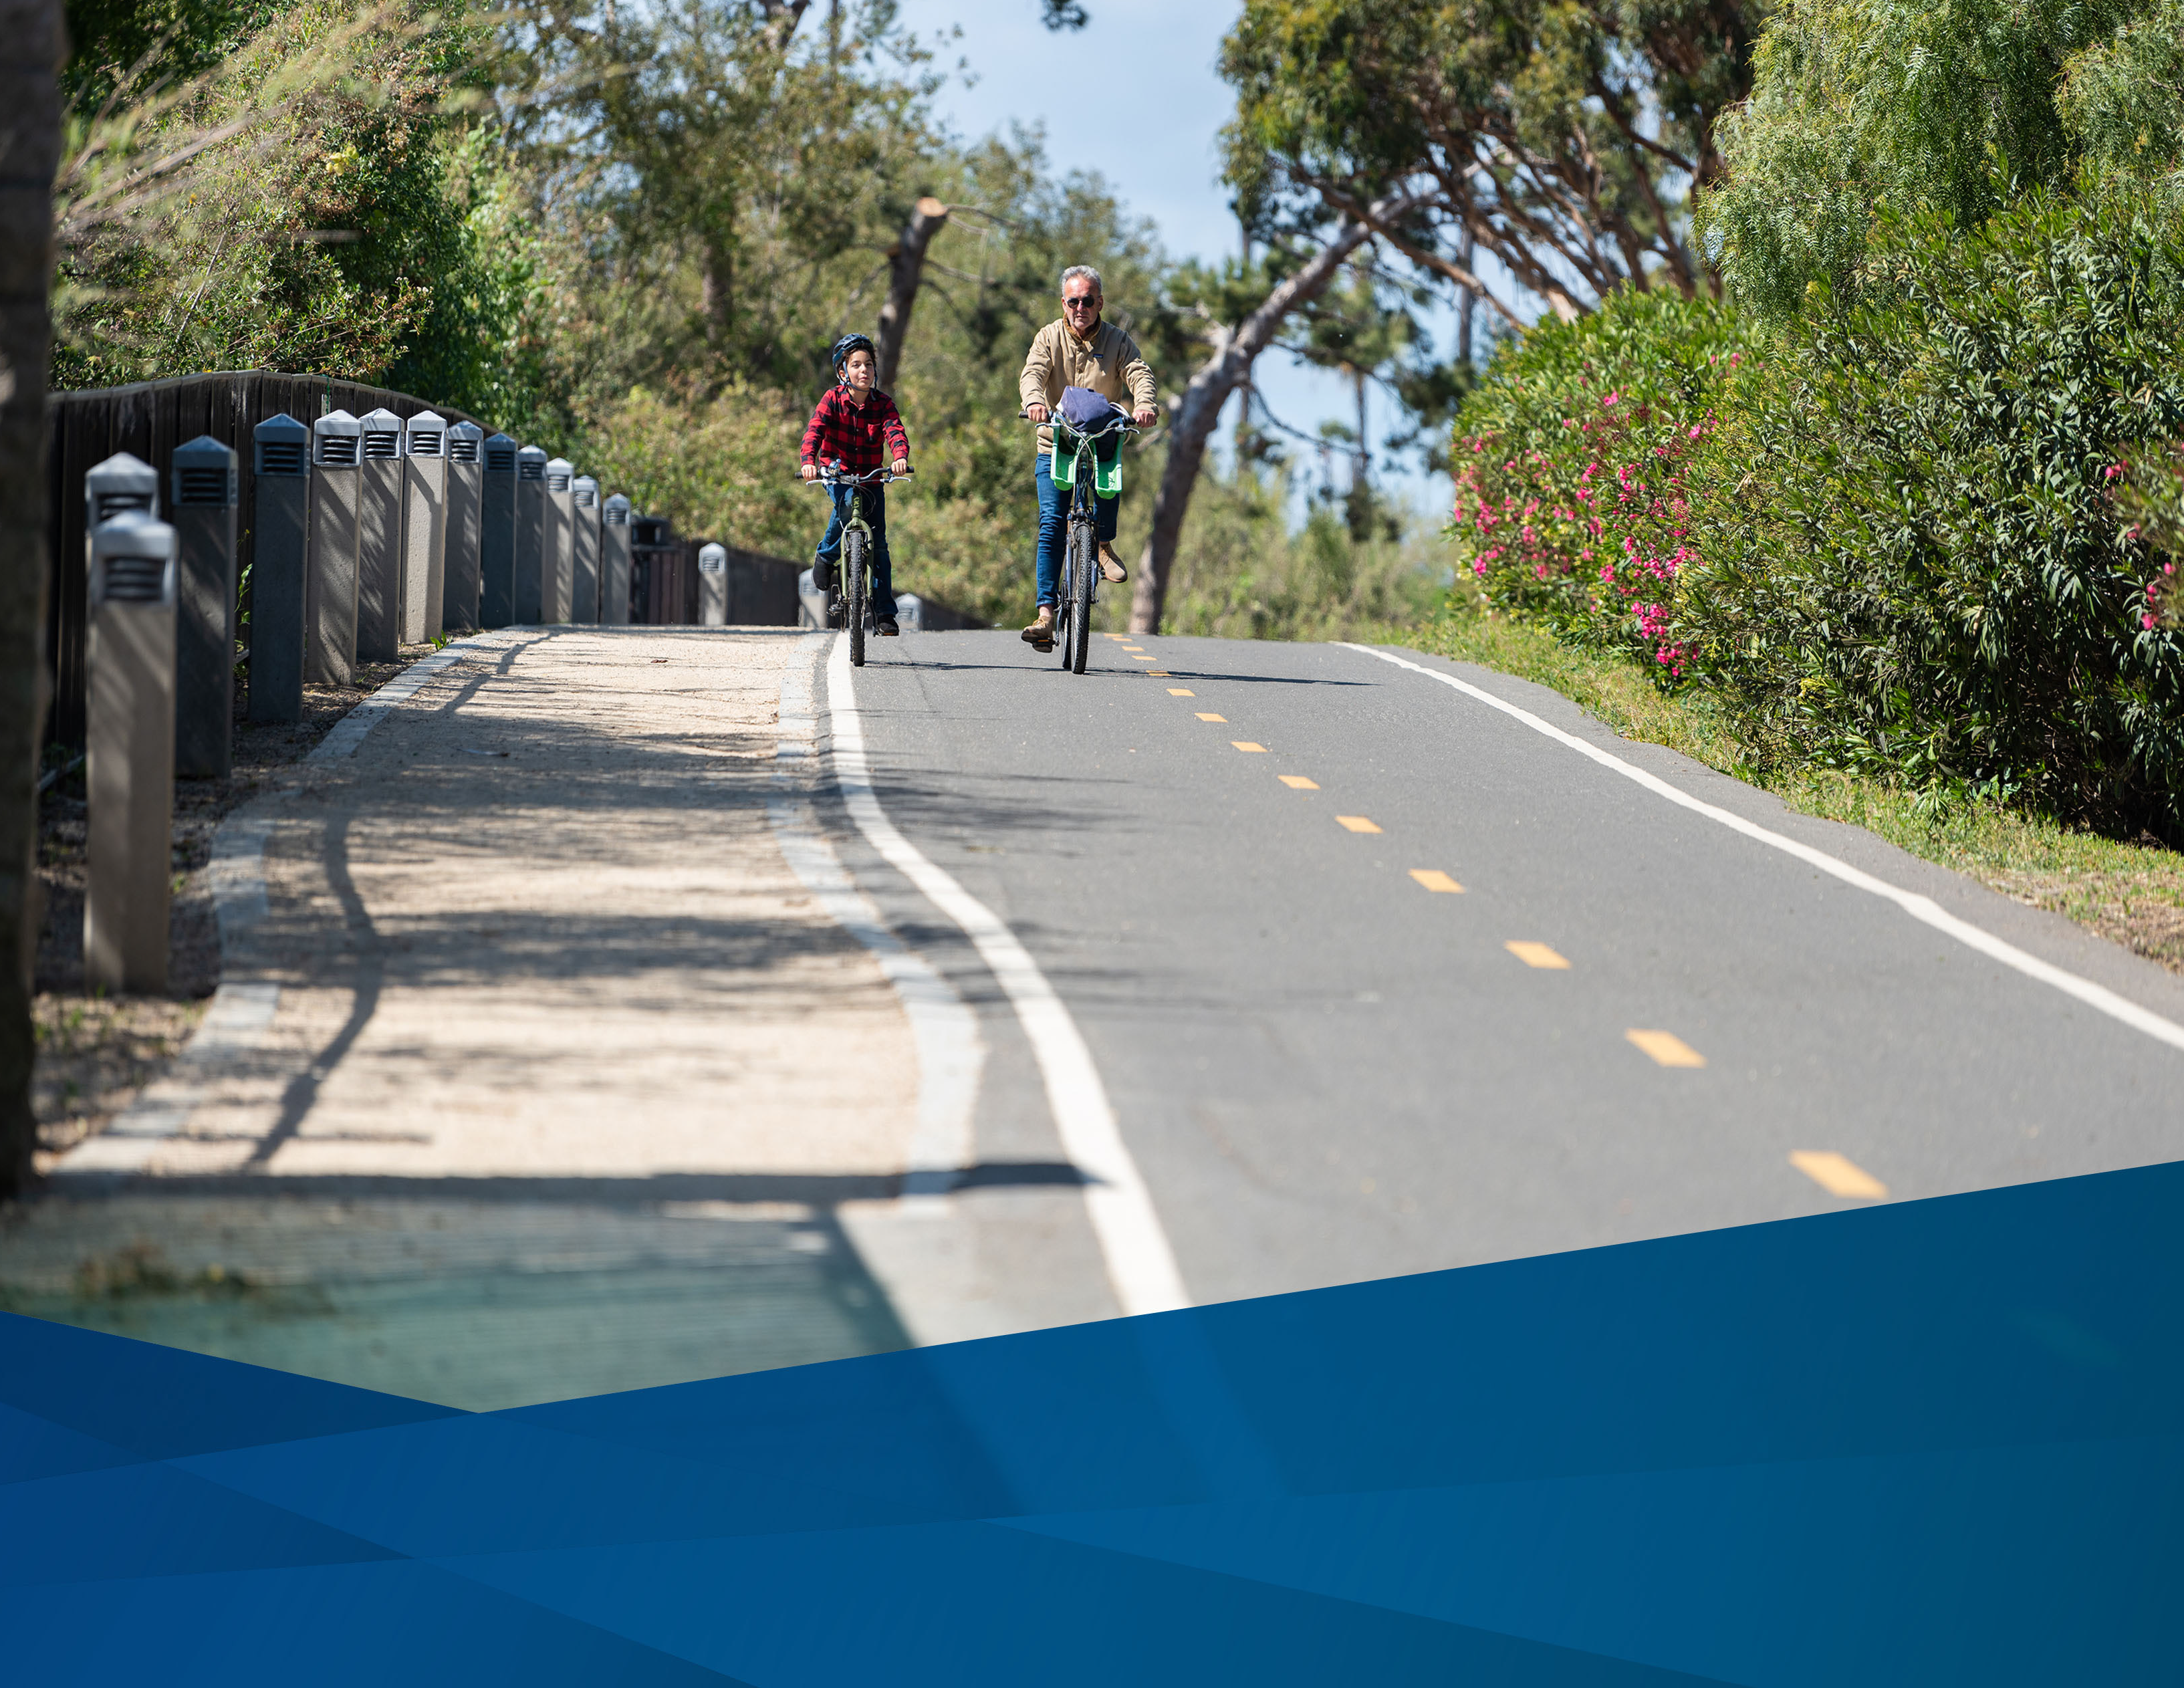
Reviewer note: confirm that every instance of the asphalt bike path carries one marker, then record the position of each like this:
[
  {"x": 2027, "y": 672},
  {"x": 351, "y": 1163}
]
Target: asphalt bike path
[
  {"x": 612, "y": 1007},
  {"x": 1380, "y": 979}
]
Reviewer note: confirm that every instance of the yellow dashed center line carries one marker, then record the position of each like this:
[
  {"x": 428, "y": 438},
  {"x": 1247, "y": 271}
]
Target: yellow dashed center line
[
  {"x": 1434, "y": 879},
  {"x": 1222, "y": 719},
  {"x": 1179, "y": 691},
  {"x": 1246, "y": 745},
  {"x": 1838, "y": 1175},
  {"x": 1299, "y": 783},
  {"x": 1159, "y": 674},
  {"x": 1667, "y": 1048},
  {"x": 1142, "y": 658},
  {"x": 1540, "y": 955},
  {"x": 1357, "y": 823}
]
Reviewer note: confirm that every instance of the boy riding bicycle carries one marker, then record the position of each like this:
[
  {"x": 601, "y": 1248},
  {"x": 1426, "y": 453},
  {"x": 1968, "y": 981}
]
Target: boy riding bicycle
[{"x": 854, "y": 429}]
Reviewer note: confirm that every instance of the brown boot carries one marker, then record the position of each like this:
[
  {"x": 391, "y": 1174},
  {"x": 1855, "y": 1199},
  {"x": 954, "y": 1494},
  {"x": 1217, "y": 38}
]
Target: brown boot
[
  {"x": 1111, "y": 564},
  {"x": 1040, "y": 634}
]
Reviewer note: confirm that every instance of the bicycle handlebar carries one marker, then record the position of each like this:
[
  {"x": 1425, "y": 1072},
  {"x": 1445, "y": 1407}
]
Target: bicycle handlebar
[
  {"x": 870, "y": 477},
  {"x": 1120, "y": 421}
]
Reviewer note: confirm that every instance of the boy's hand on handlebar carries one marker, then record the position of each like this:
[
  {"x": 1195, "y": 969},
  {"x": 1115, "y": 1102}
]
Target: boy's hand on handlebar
[
  {"x": 811, "y": 472},
  {"x": 900, "y": 466}
]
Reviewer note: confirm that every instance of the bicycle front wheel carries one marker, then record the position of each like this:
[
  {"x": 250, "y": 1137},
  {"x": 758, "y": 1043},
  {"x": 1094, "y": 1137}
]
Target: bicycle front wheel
[
  {"x": 1080, "y": 611},
  {"x": 853, "y": 593},
  {"x": 1065, "y": 596}
]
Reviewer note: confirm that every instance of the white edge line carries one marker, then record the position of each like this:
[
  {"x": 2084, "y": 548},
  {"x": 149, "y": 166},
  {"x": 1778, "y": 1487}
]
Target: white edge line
[
  {"x": 951, "y": 1056},
  {"x": 1919, "y": 908},
  {"x": 1141, "y": 1266},
  {"x": 242, "y": 1010}
]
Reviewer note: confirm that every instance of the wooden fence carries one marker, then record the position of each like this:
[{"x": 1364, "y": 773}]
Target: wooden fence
[{"x": 150, "y": 420}]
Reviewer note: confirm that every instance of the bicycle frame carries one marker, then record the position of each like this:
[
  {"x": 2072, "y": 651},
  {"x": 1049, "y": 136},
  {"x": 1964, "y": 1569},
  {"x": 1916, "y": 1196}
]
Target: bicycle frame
[
  {"x": 851, "y": 588},
  {"x": 1080, "y": 565}
]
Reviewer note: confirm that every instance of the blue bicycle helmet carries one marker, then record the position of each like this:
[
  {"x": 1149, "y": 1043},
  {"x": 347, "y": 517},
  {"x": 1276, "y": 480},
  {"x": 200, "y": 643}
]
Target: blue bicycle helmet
[{"x": 853, "y": 342}]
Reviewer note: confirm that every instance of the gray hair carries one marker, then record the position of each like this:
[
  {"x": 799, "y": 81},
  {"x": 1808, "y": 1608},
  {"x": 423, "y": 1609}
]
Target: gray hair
[{"x": 1083, "y": 272}]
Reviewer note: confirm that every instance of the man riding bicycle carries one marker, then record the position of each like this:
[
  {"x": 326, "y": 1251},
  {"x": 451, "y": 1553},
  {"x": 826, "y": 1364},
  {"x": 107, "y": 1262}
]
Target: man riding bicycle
[{"x": 1078, "y": 350}]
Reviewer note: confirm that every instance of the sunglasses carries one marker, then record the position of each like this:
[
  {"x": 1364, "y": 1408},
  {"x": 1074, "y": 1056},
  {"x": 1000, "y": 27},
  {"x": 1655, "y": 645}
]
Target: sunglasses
[{"x": 1090, "y": 302}]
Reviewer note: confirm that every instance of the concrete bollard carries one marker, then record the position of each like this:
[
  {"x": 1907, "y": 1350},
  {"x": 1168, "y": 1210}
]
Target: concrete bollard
[
  {"x": 614, "y": 561},
  {"x": 531, "y": 537},
  {"x": 712, "y": 586},
  {"x": 910, "y": 612},
  {"x": 330, "y": 586},
  {"x": 496, "y": 534},
  {"x": 559, "y": 572},
  {"x": 459, "y": 596},
  {"x": 424, "y": 524},
  {"x": 122, "y": 483},
  {"x": 202, "y": 505},
  {"x": 584, "y": 495},
  {"x": 379, "y": 539},
  {"x": 130, "y": 752},
  {"x": 279, "y": 558}
]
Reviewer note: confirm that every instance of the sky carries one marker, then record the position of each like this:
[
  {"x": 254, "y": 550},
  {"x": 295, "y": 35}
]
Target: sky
[{"x": 1149, "y": 65}]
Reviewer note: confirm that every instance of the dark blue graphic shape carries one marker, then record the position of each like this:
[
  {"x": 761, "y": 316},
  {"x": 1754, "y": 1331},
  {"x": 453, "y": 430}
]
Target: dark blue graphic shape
[{"x": 1932, "y": 1443}]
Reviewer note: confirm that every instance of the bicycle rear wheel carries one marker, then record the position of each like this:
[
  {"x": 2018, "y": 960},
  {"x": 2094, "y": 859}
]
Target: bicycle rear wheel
[
  {"x": 853, "y": 593},
  {"x": 1087, "y": 565}
]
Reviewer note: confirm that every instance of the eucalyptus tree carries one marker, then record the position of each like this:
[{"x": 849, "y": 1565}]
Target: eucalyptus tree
[
  {"x": 1862, "y": 106},
  {"x": 1561, "y": 136}
]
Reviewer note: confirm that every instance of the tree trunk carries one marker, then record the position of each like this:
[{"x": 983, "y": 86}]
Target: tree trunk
[
  {"x": 1200, "y": 408},
  {"x": 29, "y": 152},
  {"x": 717, "y": 298},
  {"x": 907, "y": 263},
  {"x": 1469, "y": 311}
]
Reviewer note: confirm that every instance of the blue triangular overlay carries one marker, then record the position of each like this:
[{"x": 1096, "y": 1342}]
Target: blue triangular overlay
[
  {"x": 161, "y": 1401},
  {"x": 1929, "y": 1443}
]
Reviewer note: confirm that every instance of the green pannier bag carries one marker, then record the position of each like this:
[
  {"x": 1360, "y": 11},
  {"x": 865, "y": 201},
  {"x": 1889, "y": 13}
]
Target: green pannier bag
[{"x": 1106, "y": 472}]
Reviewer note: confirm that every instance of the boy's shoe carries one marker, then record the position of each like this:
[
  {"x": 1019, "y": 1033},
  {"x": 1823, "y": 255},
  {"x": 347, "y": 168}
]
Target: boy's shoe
[
  {"x": 1040, "y": 634},
  {"x": 822, "y": 574},
  {"x": 887, "y": 627},
  {"x": 1111, "y": 564}
]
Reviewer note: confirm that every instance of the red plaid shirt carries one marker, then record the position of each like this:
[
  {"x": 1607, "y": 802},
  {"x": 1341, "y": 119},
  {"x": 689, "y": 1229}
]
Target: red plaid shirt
[{"x": 861, "y": 437}]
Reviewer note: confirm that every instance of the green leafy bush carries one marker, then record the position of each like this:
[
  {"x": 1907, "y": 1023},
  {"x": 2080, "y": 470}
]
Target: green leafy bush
[
  {"x": 1914, "y": 560},
  {"x": 1922, "y": 532},
  {"x": 1571, "y": 466}
]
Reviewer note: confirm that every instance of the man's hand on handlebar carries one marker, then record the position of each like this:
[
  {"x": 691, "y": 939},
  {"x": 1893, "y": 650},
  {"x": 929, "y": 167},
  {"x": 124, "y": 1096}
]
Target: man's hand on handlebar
[
  {"x": 1144, "y": 417},
  {"x": 1037, "y": 414}
]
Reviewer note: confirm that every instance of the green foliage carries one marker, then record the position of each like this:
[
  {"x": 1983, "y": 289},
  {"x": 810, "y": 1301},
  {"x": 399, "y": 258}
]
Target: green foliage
[
  {"x": 1243, "y": 571},
  {"x": 1557, "y": 134},
  {"x": 290, "y": 186},
  {"x": 1914, "y": 557},
  {"x": 1573, "y": 458},
  {"x": 1859, "y": 106},
  {"x": 1894, "y": 544}
]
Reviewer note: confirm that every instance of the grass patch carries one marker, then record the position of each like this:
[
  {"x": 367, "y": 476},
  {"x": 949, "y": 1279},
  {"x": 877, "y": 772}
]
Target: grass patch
[{"x": 2129, "y": 892}]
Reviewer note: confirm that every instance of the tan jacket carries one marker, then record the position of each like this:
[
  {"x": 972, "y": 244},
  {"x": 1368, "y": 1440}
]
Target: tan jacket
[{"x": 1110, "y": 365}]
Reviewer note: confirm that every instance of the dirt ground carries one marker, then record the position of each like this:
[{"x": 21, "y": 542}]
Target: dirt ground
[{"x": 95, "y": 1050}]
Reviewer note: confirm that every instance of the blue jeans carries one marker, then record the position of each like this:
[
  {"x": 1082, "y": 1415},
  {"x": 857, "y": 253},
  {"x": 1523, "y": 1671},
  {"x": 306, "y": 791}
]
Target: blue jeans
[
  {"x": 1054, "y": 529},
  {"x": 874, "y": 503}
]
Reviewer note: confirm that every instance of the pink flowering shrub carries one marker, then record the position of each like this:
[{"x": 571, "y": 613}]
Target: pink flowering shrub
[{"x": 1573, "y": 472}]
